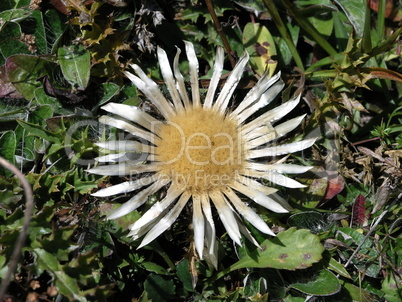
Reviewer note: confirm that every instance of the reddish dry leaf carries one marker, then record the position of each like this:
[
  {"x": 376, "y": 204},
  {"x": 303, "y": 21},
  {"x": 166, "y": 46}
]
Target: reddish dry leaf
[
  {"x": 382, "y": 73},
  {"x": 334, "y": 187},
  {"x": 62, "y": 6},
  {"x": 7, "y": 89},
  {"x": 359, "y": 216}
]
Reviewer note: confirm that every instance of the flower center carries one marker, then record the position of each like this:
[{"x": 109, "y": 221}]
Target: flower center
[{"x": 200, "y": 149}]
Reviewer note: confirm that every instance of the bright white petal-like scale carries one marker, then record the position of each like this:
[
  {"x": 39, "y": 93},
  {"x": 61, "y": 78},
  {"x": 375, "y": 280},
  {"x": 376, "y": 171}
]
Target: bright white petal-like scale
[
  {"x": 198, "y": 224},
  {"x": 218, "y": 163}
]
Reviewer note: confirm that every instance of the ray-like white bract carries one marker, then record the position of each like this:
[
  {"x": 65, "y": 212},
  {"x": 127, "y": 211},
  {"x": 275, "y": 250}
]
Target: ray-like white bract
[{"x": 205, "y": 153}]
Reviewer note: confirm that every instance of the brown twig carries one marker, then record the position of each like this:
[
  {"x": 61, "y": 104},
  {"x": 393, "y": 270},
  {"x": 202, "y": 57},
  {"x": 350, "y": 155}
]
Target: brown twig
[
  {"x": 29, "y": 206},
  {"x": 220, "y": 32}
]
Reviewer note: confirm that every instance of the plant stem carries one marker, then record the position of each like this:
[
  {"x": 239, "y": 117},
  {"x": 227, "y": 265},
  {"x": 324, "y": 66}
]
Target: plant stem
[
  {"x": 381, "y": 19},
  {"x": 310, "y": 29},
  {"x": 332, "y": 73},
  {"x": 284, "y": 32},
  {"x": 220, "y": 32},
  {"x": 367, "y": 46}
]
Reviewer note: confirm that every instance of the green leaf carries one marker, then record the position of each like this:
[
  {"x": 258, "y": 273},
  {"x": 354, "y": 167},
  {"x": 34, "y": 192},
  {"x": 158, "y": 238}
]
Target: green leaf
[
  {"x": 358, "y": 294},
  {"x": 37, "y": 116},
  {"x": 57, "y": 25},
  {"x": 261, "y": 47},
  {"x": 338, "y": 268},
  {"x": 355, "y": 11},
  {"x": 122, "y": 222},
  {"x": 356, "y": 238},
  {"x": 14, "y": 15},
  {"x": 67, "y": 286},
  {"x": 10, "y": 112},
  {"x": 159, "y": 288},
  {"x": 255, "y": 7},
  {"x": 291, "y": 249},
  {"x": 319, "y": 14},
  {"x": 11, "y": 4},
  {"x": 283, "y": 49},
  {"x": 184, "y": 275},
  {"x": 392, "y": 287},
  {"x": 8, "y": 145},
  {"x": 341, "y": 30},
  {"x": 10, "y": 43},
  {"x": 83, "y": 182},
  {"x": 254, "y": 284},
  {"x": 42, "y": 98},
  {"x": 40, "y": 114},
  {"x": 58, "y": 244},
  {"x": 3, "y": 267},
  {"x": 323, "y": 284},
  {"x": 294, "y": 299},
  {"x": 109, "y": 91},
  {"x": 154, "y": 268},
  {"x": 84, "y": 268},
  {"x": 41, "y": 224},
  {"x": 36, "y": 27},
  {"x": 353, "y": 238},
  {"x": 36, "y": 130},
  {"x": 23, "y": 72},
  {"x": 75, "y": 62},
  {"x": 10, "y": 192}
]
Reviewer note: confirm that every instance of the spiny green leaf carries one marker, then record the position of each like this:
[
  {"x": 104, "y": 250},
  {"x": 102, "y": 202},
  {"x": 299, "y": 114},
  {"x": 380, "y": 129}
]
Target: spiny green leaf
[
  {"x": 84, "y": 268},
  {"x": 58, "y": 244}
]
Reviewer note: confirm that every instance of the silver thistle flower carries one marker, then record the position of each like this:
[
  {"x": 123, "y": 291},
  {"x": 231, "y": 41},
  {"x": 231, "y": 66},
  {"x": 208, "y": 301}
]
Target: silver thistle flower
[{"x": 201, "y": 152}]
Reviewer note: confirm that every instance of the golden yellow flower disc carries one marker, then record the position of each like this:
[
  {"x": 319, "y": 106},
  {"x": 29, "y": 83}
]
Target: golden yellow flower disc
[{"x": 200, "y": 149}]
